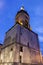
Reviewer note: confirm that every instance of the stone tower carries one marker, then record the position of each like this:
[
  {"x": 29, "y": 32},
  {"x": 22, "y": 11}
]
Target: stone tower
[
  {"x": 22, "y": 18},
  {"x": 21, "y": 45}
]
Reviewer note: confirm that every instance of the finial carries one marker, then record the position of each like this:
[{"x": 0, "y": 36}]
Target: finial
[{"x": 22, "y": 8}]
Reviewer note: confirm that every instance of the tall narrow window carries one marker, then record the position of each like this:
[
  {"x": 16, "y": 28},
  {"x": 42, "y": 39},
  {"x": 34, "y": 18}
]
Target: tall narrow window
[
  {"x": 20, "y": 59},
  {"x": 21, "y": 48}
]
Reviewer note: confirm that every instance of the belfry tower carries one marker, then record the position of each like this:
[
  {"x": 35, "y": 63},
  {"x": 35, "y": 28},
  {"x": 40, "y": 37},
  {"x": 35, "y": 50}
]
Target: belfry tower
[
  {"x": 21, "y": 45},
  {"x": 23, "y": 18}
]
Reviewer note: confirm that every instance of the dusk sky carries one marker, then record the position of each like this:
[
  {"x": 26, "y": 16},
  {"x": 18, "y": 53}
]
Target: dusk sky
[{"x": 8, "y": 10}]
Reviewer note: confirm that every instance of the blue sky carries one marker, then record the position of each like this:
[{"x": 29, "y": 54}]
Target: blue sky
[{"x": 8, "y": 10}]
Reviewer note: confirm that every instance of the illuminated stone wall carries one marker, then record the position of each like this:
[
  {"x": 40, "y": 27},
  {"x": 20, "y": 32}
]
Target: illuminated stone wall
[
  {"x": 12, "y": 53},
  {"x": 16, "y": 37},
  {"x": 9, "y": 54}
]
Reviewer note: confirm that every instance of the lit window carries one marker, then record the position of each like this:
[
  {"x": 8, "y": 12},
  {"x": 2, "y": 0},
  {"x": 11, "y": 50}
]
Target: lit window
[{"x": 21, "y": 23}]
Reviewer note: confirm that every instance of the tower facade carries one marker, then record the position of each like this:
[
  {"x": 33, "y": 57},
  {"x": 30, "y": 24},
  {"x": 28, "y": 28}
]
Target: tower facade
[
  {"x": 22, "y": 17},
  {"x": 21, "y": 45}
]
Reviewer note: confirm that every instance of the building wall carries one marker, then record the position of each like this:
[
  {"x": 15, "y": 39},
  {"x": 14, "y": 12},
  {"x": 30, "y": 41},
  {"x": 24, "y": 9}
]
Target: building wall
[
  {"x": 23, "y": 36},
  {"x": 12, "y": 53},
  {"x": 26, "y": 55},
  {"x": 29, "y": 37},
  {"x": 16, "y": 37}
]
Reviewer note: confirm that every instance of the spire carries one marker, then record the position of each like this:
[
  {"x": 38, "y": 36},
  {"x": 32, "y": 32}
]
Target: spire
[{"x": 22, "y": 8}]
